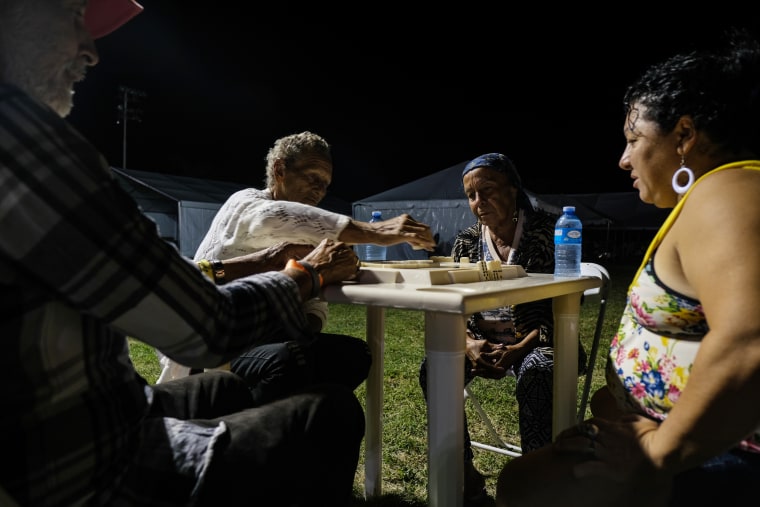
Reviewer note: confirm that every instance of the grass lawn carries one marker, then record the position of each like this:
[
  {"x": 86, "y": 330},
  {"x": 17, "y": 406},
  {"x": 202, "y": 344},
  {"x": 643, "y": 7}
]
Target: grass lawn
[{"x": 404, "y": 415}]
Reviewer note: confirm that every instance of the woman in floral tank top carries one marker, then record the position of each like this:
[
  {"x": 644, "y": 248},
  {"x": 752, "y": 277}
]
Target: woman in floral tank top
[{"x": 677, "y": 422}]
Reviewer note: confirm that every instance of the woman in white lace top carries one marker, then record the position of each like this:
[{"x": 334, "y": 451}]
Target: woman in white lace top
[{"x": 299, "y": 171}]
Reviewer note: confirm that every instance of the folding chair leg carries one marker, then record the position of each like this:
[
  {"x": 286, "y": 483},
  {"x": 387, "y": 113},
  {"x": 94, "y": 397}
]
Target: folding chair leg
[
  {"x": 505, "y": 448},
  {"x": 591, "y": 363}
]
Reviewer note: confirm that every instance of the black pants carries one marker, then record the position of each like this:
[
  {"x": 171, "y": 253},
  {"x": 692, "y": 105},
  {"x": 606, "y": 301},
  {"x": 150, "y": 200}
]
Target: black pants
[
  {"x": 278, "y": 369},
  {"x": 299, "y": 450}
]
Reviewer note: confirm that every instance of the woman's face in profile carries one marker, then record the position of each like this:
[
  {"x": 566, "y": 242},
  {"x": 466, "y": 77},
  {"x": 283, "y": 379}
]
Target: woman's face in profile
[
  {"x": 491, "y": 197},
  {"x": 305, "y": 180},
  {"x": 651, "y": 158}
]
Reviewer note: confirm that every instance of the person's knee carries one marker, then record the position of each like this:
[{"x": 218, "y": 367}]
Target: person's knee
[
  {"x": 339, "y": 409},
  {"x": 509, "y": 485},
  {"x": 546, "y": 478},
  {"x": 263, "y": 362},
  {"x": 219, "y": 381},
  {"x": 521, "y": 482},
  {"x": 342, "y": 359},
  {"x": 603, "y": 404}
]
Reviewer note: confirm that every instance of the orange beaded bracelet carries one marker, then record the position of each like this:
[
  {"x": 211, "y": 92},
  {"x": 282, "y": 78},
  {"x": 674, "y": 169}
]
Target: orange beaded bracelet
[{"x": 316, "y": 278}]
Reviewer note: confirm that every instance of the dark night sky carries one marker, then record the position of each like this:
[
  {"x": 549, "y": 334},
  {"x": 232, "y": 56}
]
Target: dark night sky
[{"x": 398, "y": 94}]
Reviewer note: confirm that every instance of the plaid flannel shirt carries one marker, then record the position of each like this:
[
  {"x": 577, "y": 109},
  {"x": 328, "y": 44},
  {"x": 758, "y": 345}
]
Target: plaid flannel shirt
[{"x": 81, "y": 268}]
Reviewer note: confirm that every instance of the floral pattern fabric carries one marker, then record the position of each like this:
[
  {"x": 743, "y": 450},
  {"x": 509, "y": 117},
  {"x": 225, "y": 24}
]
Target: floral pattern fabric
[{"x": 650, "y": 363}]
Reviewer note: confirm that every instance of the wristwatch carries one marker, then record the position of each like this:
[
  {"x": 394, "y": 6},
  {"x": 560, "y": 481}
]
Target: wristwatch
[{"x": 218, "y": 267}]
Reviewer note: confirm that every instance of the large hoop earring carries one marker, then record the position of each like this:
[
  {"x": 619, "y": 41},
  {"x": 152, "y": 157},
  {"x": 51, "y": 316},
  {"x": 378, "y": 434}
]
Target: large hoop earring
[{"x": 681, "y": 189}]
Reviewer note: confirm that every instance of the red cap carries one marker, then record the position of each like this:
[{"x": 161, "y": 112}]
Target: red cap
[{"x": 104, "y": 16}]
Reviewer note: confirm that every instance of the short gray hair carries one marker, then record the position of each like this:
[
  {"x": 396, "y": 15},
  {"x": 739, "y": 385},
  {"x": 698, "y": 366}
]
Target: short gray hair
[{"x": 293, "y": 147}]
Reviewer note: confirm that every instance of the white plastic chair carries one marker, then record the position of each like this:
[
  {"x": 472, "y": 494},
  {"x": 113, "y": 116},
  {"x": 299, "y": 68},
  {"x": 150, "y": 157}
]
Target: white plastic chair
[{"x": 502, "y": 447}]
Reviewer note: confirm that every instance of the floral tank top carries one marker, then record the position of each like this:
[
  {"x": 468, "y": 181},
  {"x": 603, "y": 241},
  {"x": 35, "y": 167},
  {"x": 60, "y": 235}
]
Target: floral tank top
[{"x": 650, "y": 361}]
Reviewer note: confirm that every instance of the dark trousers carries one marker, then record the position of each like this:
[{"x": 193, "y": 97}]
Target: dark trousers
[
  {"x": 275, "y": 370},
  {"x": 727, "y": 479},
  {"x": 299, "y": 450}
]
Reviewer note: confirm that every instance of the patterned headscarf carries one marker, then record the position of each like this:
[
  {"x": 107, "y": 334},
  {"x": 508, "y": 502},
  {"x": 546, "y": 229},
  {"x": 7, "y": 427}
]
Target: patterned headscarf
[{"x": 503, "y": 164}]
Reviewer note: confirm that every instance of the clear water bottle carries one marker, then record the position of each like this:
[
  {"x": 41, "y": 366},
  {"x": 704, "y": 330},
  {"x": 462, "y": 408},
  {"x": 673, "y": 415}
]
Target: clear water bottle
[
  {"x": 375, "y": 252},
  {"x": 567, "y": 244}
]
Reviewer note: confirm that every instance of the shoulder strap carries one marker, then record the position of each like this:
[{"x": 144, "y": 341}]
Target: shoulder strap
[{"x": 743, "y": 164}]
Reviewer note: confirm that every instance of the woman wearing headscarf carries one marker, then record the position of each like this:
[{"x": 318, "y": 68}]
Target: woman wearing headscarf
[{"x": 513, "y": 340}]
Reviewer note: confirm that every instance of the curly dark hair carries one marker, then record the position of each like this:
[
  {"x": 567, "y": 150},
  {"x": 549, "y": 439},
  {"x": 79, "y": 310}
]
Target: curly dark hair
[{"x": 719, "y": 89}]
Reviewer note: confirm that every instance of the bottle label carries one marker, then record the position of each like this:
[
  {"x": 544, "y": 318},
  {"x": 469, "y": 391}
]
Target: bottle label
[{"x": 567, "y": 236}]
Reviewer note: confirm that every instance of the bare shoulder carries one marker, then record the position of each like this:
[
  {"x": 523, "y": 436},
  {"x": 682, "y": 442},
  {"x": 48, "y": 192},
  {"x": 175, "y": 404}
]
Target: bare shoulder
[
  {"x": 719, "y": 225},
  {"x": 717, "y": 250},
  {"x": 729, "y": 196}
]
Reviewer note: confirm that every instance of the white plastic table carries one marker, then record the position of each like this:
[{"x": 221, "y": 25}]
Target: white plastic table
[{"x": 447, "y": 307}]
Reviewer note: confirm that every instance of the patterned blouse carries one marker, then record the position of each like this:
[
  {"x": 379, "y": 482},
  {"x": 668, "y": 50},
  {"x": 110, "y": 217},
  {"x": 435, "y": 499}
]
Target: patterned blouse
[
  {"x": 648, "y": 357},
  {"x": 535, "y": 253}
]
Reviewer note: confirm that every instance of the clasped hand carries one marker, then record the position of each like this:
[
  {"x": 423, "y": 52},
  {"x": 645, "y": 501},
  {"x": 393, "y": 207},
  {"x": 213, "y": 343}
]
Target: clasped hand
[
  {"x": 489, "y": 360},
  {"x": 335, "y": 261},
  {"x": 492, "y": 360}
]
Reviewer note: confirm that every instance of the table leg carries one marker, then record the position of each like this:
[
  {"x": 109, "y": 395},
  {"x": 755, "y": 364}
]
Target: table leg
[
  {"x": 373, "y": 434},
  {"x": 565, "y": 384},
  {"x": 444, "y": 348}
]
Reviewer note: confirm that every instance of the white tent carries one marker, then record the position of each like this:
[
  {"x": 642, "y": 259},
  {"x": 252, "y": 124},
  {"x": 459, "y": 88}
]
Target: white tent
[
  {"x": 182, "y": 207},
  {"x": 438, "y": 200}
]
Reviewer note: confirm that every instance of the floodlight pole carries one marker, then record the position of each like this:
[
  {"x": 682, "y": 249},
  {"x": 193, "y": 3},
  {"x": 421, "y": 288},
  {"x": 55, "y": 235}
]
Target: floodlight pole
[
  {"x": 128, "y": 110},
  {"x": 124, "y": 109}
]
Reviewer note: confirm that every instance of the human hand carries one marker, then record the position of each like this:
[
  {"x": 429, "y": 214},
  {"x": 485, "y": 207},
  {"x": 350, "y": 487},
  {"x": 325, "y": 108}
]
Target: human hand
[
  {"x": 492, "y": 360},
  {"x": 272, "y": 258},
  {"x": 334, "y": 261},
  {"x": 404, "y": 228},
  {"x": 486, "y": 358},
  {"x": 611, "y": 450}
]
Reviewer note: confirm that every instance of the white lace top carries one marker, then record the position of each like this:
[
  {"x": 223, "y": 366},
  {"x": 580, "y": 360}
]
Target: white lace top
[{"x": 251, "y": 220}]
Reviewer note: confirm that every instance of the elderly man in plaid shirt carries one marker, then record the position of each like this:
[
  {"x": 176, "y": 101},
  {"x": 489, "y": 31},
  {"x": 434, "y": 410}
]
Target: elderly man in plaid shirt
[{"x": 81, "y": 268}]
